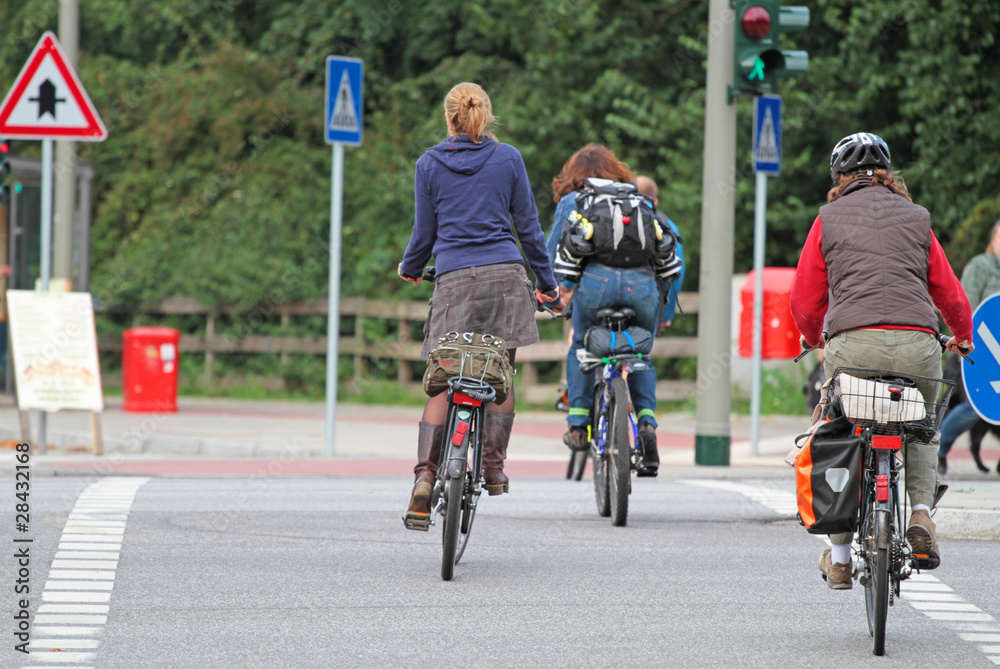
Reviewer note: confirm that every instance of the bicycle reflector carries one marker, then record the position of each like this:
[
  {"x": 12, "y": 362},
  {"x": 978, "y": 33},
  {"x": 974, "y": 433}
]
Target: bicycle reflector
[
  {"x": 887, "y": 442},
  {"x": 882, "y": 487}
]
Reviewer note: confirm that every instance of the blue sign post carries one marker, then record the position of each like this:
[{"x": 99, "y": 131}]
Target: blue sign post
[
  {"x": 982, "y": 380},
  {"x": 766, "y": 162},
  {"x": 342, "y": 123}
]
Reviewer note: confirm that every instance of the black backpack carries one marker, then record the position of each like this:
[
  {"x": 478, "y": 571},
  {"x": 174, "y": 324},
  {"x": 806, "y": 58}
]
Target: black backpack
[{"x": 614, "y": 224}]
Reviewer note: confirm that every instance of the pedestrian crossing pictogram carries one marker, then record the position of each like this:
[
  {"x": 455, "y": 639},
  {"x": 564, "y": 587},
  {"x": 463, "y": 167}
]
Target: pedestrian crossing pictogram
[
  {"x": 343, "y": 117},
  {"x": 767, "y": 150}
]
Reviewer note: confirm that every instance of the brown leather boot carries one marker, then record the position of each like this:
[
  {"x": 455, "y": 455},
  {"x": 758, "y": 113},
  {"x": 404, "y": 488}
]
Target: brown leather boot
[
  {"x": 495, "y": 439},
  {"x": 418, "y": 514}
]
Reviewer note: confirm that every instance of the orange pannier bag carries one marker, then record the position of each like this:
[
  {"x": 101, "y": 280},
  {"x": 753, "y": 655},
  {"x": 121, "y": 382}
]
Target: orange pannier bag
[{"x": 828, "y": 478}]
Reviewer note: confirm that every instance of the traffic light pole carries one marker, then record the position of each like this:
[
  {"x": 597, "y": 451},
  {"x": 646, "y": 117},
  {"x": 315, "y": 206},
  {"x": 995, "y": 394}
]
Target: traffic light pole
[{"x": 717, "y": 219}]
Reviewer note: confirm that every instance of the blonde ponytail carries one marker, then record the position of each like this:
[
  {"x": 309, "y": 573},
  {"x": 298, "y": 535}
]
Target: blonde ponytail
[{"x": 468, "y": 111}]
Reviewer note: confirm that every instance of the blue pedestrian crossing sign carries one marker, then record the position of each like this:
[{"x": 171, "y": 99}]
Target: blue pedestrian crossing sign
[
  {"x": 982, "y": 380},
  {"x": 344, "y": 103},
  {"x": 767, "y": 134}
]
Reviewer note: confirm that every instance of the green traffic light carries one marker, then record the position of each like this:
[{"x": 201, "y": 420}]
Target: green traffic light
[
  {"x": 758, "y": 70},
  {"x": 18, "y": 187}
]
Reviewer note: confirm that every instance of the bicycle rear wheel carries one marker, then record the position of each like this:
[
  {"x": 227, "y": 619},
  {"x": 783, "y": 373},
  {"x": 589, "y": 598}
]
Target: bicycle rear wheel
[
  {"x": 454, "y": 487},
  {"x": 877, "y": 576},
  {"x": 619, "y": 452}
]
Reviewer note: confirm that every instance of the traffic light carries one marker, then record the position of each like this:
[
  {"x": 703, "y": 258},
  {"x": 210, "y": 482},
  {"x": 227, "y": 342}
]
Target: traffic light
[
  {"x": 758, "y": 63},
  {"x": 4, "y": 173}
]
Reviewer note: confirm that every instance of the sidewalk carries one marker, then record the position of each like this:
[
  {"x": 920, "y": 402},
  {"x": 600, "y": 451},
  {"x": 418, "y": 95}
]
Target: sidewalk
[{"x": 236, "y": 437}]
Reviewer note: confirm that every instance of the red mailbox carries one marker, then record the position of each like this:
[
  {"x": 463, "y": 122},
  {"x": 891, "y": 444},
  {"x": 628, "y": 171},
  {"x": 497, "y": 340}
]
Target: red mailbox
[
  {"x": 149, "y": 369},
  {"x": 779, "y": 336}
]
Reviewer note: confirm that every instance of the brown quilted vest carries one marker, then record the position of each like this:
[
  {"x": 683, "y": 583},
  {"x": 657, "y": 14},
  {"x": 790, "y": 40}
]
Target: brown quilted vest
[{"x": 877, "y": 245}]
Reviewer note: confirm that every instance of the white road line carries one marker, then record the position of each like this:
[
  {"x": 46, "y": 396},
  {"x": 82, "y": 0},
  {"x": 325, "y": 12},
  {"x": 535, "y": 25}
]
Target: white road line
[
  {"x": 923, "y": 592},
  {"x": 67, "y": 631},
  {"x": 62, "y": 657},
  {"x": 49, "y": 644},
  {"x": 77, "y": 594},
  {"x": 74, "y": 596},
  {"x": 78, "y": 585},
  {"x": 76, "y": 573},
  {"x": 85, "y": 564},
  {"x": 68, "y": 619},
  {"x": 85, "y": 555},
  {"x": 73, "y": 608},
  {"x": 76, "y": 546}
]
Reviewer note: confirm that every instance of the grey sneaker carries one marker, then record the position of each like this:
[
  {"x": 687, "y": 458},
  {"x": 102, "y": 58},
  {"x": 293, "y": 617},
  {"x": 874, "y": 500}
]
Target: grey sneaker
[{"x": 836, "y": 574}]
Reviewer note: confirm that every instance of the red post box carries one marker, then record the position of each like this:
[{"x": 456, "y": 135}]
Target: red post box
[
  {"x": 149, "y": 369},
  {"x": 779, "y": 336}
]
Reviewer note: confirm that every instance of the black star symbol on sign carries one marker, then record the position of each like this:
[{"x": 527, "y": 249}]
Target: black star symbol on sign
[{"x": 47, "y": 99}]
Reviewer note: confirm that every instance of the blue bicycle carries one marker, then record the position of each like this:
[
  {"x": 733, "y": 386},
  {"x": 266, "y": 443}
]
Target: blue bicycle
[{"x": 614, "y": 431}]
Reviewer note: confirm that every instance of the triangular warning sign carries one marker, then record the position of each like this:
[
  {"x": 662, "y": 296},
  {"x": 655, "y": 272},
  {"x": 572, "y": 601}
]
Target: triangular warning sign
[
  {"x": 344, "y": 118},
  {"x": 47, "y": 100},
  {"x": 767, "y": 147}
]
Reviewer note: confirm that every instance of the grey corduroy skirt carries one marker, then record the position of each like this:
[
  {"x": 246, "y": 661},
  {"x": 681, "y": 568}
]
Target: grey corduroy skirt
[{"x": 492, "y": 299}]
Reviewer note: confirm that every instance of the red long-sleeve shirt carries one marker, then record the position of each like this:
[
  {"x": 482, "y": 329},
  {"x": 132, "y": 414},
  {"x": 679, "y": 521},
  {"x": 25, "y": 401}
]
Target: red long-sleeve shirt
[{"x": 810, "y": 295}]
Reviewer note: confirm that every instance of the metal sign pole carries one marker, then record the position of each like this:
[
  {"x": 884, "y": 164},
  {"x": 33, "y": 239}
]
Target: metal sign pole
[
  {"x": 46, "y": 256},
  {"x": 333, "y": 318},
  {"x": 760, "y": 207}
]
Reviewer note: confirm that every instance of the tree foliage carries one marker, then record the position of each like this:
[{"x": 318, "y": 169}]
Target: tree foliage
[{"x": 215, "y": 180}]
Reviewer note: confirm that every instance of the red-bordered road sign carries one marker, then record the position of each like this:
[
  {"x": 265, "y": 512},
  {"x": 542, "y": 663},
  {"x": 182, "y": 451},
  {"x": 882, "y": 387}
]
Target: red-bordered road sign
[{"x": 47, "y": 100}]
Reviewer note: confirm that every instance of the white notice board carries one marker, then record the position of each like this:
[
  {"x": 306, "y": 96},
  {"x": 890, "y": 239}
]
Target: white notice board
[{"x": 54, "y": 347}]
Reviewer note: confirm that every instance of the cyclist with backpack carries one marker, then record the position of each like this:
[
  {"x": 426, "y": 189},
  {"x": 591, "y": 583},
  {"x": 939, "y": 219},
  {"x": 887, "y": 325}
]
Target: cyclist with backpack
[
  {"x": 472, "y": 194},
  {"x": 606, "y": 243},
  {"x": 874, "y": 250}
]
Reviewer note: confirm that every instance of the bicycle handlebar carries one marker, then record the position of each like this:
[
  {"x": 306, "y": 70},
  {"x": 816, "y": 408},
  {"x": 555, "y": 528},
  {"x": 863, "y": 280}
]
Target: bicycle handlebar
[{"x": 964, "y": 352}]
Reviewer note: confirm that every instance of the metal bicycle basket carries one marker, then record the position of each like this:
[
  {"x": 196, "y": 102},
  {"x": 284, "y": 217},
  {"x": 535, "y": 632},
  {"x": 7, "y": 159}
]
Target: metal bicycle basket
[{"x": 889, "y": 402}]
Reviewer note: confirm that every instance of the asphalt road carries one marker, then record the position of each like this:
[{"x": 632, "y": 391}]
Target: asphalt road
[{"x": 319, "y": 572}]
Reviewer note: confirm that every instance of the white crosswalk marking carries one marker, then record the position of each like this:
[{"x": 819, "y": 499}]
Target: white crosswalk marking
[{"x": 77, "y": 594}]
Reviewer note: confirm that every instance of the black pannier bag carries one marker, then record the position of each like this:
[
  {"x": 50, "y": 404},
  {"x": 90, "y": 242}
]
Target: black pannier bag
[{"x": 828, "y": 478}]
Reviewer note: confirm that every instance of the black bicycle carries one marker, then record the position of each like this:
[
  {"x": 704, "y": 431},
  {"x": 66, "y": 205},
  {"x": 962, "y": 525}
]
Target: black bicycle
[
  {"x": 615, "y": 447},
  {"x": 459, "y": 480},
  {"x": 889, "y": 410}
]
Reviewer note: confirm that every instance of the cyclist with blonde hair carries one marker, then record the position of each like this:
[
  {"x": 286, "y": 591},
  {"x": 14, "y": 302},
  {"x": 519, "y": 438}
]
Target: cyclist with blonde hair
[{"x": 472, "y": 195}]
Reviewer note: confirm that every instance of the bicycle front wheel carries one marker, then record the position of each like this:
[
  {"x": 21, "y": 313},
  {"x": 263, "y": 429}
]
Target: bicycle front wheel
[
  {"x": 620, "y": 452},
  {"x": 454, "y": 488}
]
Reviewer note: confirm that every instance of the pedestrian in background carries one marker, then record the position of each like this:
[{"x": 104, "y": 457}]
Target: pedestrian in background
[
  {"x": 472, "y": 195},
  {"x": 669, "y": 292},
  {"x": 981, "y": 279}
]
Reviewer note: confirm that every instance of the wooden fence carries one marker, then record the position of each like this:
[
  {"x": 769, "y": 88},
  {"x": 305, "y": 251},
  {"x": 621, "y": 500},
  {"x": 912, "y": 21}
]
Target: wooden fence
[{"x": 241, "y": 338}]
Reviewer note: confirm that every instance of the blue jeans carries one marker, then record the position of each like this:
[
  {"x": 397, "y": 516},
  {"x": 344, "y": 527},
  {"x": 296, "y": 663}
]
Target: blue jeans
[
  {"x": 959, "y": 419},
  {"x": 602, "y": 286}
]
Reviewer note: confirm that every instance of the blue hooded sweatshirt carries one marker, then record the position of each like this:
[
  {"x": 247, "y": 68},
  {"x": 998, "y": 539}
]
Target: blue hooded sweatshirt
[{"x": 467, "y": 197}]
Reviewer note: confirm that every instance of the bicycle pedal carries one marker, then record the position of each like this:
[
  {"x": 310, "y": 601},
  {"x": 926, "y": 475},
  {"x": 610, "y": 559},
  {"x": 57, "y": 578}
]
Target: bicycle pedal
[
  {"x": 927, "y": 562},
  {"x": 419, "y": 522},
  {"x": 646, "y": 472}
]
